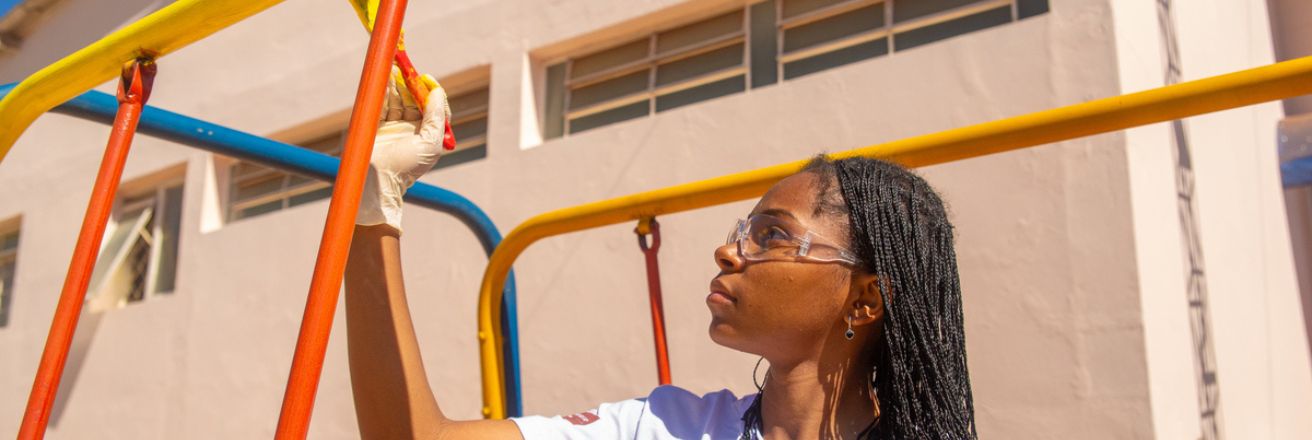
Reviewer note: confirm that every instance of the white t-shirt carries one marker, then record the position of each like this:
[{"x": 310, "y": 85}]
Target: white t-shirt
[{"x": 669, "y": 412}]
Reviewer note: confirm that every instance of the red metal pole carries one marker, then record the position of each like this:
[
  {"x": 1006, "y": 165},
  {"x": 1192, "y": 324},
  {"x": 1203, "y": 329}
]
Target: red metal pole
[
  {"x": 307, "y": 363},
  {"x": 133, "y": 90},
  {"x": 654, "y": 295}
]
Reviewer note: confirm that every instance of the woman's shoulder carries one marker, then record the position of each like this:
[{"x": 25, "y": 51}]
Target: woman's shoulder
[
  {"x": 679, "y": 397},
  {"x": 687, "y": 415},
  {"x": 667, "y": 412}
]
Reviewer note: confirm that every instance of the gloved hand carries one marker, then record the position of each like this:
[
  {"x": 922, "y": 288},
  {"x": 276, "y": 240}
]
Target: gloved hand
[{"x": 407, "y": 146}]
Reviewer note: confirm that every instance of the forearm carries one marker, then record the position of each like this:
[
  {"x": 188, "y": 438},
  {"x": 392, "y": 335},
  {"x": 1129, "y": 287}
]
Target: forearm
[{"x": 393, "y": 399}]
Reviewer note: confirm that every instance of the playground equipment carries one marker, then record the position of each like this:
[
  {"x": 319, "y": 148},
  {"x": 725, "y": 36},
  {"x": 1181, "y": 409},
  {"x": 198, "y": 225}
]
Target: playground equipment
[
  {"x": 186, "y": 21},
  {"x": 330, "y": 266},
  {"x": 133, "y": 91},
  {"x": 1268, "y": 83},
  {"x": 649, "y": 226},
  {"x": 367, "y": 11},
  {"x": 140, "y": 43},
  {"x": 100, "y": 107}
]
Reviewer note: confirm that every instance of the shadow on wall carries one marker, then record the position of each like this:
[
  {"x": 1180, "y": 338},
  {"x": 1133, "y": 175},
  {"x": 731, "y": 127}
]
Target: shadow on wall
[
  {"x": 87, "y": 326},
  {"x": 60, "y": 27}
]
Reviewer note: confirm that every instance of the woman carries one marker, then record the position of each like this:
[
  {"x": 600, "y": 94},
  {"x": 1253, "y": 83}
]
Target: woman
[{"x": 843, "y": 277}]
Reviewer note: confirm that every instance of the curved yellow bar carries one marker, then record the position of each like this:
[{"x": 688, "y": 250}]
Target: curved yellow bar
[
  {"x": 154, "y": 36},
  {"x": 366, "y": 10},
  {"x": 1277, "y": 81}
]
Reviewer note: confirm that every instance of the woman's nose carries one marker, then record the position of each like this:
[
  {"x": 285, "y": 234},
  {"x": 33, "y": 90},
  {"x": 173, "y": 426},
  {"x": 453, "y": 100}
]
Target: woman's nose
[{"x": 727, "y": 258}]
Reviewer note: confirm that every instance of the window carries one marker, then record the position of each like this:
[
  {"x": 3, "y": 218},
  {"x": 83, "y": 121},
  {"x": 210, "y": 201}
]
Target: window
[
  {"x": 822, "y": 34},
  {"x": 658, "y": 72},
  {"x": 756, "y": 45},
  {"x": 469, "y": 124},
  {"x": 257, "y": 189},
  {"x": 8, "y": 261},
  {"x": 140, "y": 255}
]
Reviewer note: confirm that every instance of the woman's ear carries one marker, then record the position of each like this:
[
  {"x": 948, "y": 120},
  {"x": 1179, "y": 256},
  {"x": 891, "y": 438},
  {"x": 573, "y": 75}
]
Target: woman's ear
[{"x": 868, "y": 305}]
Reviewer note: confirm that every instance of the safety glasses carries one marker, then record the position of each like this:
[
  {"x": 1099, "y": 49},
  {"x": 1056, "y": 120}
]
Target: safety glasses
[{"x": 764, "y": 237}]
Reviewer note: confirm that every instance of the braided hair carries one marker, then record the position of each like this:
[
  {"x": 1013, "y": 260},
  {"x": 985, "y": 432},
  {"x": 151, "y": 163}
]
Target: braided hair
[{"x": 899, "y": 231}]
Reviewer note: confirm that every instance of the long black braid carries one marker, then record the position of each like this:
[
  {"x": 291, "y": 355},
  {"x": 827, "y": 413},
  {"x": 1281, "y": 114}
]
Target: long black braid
[{"x": 900, "y": 231}]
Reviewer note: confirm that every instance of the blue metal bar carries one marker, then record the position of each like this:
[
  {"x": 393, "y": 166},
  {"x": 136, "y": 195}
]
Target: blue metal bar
[
  {"x": 1297, "y": 172},
  {"x": 7, "y": 6},
  {"x": 100, "y": 107}
]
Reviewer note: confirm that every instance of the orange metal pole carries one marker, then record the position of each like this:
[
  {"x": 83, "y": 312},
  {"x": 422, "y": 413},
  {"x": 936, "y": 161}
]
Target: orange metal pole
[
  {"x": 650, "y": 226},
  {"x": 307, "y": 363},
  {"x": 133, "y": 90}
]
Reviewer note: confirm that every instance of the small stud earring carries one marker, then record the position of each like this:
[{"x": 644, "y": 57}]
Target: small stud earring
[{"x": 849, "y": 334}]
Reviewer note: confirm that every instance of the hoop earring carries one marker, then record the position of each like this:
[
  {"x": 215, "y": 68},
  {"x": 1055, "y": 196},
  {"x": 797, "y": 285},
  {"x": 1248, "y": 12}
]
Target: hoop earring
[{"x": 849, "y": 334}]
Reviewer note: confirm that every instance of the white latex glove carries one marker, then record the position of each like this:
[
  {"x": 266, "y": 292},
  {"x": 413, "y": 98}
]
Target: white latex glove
[{"x": 407, "y": 146}]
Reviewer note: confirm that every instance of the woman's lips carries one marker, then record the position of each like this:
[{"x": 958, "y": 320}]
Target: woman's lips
[
  {"x": 720, "y": 294},
  {"x": 720, "y": 298}
]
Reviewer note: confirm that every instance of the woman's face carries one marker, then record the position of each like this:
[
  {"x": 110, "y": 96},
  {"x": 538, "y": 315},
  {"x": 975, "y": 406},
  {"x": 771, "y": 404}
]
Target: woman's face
[{"x": 781, "y": 309}]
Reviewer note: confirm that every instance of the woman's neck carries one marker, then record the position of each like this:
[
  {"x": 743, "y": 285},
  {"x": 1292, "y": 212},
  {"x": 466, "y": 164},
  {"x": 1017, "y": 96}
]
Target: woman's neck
[{"x": 817, "y": 399}]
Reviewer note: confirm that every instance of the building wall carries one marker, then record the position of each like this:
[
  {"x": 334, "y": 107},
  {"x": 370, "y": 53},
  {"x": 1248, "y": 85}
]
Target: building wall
[
  {"x": 1060, "y": 260},
  {"x": 1167, "y": 336},
  {"x": 1238, "y": 215},
  {"x": 1244, "y": 230}
]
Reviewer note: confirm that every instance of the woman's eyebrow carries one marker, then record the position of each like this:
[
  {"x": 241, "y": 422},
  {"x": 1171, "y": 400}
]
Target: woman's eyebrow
[{"x": 778, "y": 212}]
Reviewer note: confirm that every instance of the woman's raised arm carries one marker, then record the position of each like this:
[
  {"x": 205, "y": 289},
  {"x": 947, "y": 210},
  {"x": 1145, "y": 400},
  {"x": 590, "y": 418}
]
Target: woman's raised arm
[{"x": 392, "y": 396}]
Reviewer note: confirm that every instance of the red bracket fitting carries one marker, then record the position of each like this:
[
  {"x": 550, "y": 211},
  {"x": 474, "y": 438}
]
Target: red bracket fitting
[{"x": 137, "y": 79}]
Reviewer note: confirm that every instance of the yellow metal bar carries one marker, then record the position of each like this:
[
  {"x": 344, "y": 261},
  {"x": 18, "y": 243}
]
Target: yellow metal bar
[
  {"x": 1268, "y": 83},
  {"x": 154, "y": 36},
  {"x": 366, "y": 10}
]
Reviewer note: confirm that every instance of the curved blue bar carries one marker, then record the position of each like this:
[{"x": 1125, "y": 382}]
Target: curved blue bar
[
  {"x": 101, "y": 107},
  {"x": 1297, "y": 172}
]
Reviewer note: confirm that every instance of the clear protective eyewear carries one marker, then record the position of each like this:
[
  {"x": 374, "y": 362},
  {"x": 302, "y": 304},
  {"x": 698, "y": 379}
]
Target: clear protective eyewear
[{"x": 764, "y": 237}]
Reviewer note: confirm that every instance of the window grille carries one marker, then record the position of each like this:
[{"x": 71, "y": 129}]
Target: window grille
[
  {"x": 139, "y": 257},
  {"x": 8, "y": 261},
  {"x": 755, "y": 45},
  {"x": 257, "y": 189},
  {"x": 658, "y": 72},
  {"x": 469, "y": 112},
  {"x": 822, "y": 34}
]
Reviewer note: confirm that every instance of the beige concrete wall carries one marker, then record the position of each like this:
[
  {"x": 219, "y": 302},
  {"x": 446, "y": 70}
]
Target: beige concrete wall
[
  {"x": 1245, "y": 240},
  {"x": 1161, "y": 265},
  {"x": 1051, "y": 240},
  {"x": 1239, "y": 214}
]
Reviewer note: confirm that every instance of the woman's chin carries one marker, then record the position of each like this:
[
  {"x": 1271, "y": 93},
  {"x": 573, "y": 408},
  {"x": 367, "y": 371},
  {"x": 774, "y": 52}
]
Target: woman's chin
[{"x": 724, "y": 334}]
